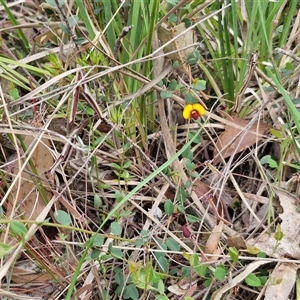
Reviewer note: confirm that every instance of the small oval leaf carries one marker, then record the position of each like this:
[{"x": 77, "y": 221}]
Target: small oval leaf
[{"x": 63, "y": 218}]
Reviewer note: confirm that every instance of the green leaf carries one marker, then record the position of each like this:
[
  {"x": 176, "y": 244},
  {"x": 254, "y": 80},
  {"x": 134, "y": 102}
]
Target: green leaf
[
  {"x": 163, "y": 264},
  {"x": 172, "y": 244},
  {"x": 98, "y": 241},
  {"x": 188, "y": 153},
  {"x": 262, "y": 254},
  {"x": 252, "y": 280},
  {"x": 194, "y": 57},
  {"x": 63, "y": 217},
  {"x": 53, "y": 2},
  {"x": 189, "y": 165},
  {"x": 253, "y": 250},
  {"x": 267, "y": 159},
  {"x": 95, "y": 254},
  {"x": 18, "y": 228},
  {"x": 192, "y": 219},
  {"x": 263, "y": 279},
  {"x": 14, "y": 94},
  {"x": 116, "y": 166},
  {"x": 220, "y": 273},
  {"x": 173, "y": 2},
  {"x": 64, "y": 28},
  {"x": 186, "y": 272},
  {"x": 278, "y": 233},
  {"x": 97, "y": 201},
  {"x": 197, "y": 140},
  {"x": 276, "y": 133},
  {"x": 166, "y": 94},
  {"x": 119, "y": 276},
  {"x": 190, "y": 99},
  {"x": 175, "y": 65},
  {"x": 187, "y": 22},
  {"x": 73, "y": 20},
  {"x": 199, "y": 85},
  {"x": 234, "y": 254},
  {"x": 194, "y": 260},
  {"x": 116, "y": 228},
  {"x": 180, "y": 208},
  {"x": 127, "y": 164},
  {"x": 119, "y": 196},
  {"x": 116, "y": 252},
  {"x": 172, "y": 85},
  {"x": 169, "y": 207},
  {"x": 144, "y": 234},
  {"x": 187, "y": 184},
  {"x": 131, "y": 292},
  {"x": 139, "y": 242},
  {"x": 173, "y": 18},
  {"x": 181, "y": 195},
  {"x": 207, "y": 283},
  {"x": 4, "y": 249},
  {"x": 201, "y": 270},
  {"x": 161, "y": 287}
]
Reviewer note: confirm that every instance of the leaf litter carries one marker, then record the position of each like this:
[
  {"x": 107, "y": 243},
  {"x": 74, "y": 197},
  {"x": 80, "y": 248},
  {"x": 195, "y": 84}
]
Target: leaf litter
[{"x": 235, "y": 140}]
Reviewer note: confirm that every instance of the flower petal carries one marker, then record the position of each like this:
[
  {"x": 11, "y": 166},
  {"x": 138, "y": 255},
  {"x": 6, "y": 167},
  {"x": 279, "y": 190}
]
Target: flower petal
[
  {"x": 199, "y": 108},
  {"x": 187, "y": 111}
]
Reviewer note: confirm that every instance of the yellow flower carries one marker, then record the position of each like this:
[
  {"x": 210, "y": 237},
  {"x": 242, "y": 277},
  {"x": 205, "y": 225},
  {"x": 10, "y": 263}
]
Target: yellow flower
[{"x": 193, "y": 111}]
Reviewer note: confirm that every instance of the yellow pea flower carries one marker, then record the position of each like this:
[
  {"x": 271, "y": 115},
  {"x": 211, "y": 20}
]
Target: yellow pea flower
[{"x": 193, "y": 111}]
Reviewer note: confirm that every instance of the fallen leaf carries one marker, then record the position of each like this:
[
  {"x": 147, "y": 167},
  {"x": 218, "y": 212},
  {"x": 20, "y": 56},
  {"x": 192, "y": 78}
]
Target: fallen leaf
[
  {"x": 29, "y": 202},
  {"x": 212, "y": 243},
  {"x": 236, "y": 241},
  {"x": 165, "y": 35},
  {"x": 290, "y": 217},
  {"x": 281, "y": 282},
  {"x": 233, "y": 140},
  {"x": 201, "y": 189},
  {"x": 26, "y": 271},
  {"x": 267, "y": 243},
  {"x": 290, "y": 223},
  {"x": 182, "y": 288}
]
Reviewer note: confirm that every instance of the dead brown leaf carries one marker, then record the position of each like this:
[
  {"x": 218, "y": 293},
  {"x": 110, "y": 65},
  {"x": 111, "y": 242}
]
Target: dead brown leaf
[
  {"x": 267, "y": 243},
  {"x": 183, "y": 287},
  {"x": 201, "y": 189},
  {"x": 282, "y": 281},
  {"x": 29, "y": 201},
  {"x": 212, "y": 244},
  {"x": 233, "y": 140},
  {"x": 236, "y": 241},
  {"x": 290, "y": 218},
  {"x": 165, "y": 35},
  {"x": 27, "y": 271},
  {"x": 289, "y": 245}
]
